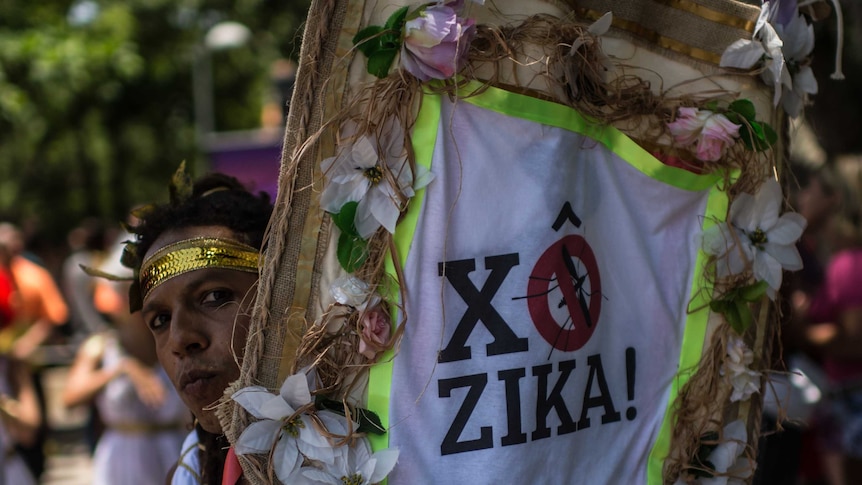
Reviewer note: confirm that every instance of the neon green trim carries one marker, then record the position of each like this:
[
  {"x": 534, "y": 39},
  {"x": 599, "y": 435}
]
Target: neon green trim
[
  {"x": 560, "y": 116},
  {"x": 380, "y": 376},
  {"x": 692, "y": 339}
]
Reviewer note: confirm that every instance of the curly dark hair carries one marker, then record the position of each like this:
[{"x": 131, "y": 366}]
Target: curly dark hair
[{"x": 216, "y": 200}]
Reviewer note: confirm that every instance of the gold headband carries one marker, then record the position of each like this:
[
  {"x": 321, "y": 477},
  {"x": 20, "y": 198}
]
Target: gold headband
[{"x": 193, "y": 254}]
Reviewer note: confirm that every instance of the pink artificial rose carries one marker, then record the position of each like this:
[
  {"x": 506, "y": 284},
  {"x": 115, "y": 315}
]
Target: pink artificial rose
[
  {"x": 712, "y": 132},
  {"x": 374, "y": 337},
  {"x": 436, "y": 42},
  {"x": 686, "y": 128}
]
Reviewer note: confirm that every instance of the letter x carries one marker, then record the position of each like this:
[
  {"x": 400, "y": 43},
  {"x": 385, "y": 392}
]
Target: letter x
[{"x": 479, "y": 307}]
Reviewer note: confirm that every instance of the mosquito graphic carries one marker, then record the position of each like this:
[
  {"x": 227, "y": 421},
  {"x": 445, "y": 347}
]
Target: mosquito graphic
[{"x": 578, "y": 280}]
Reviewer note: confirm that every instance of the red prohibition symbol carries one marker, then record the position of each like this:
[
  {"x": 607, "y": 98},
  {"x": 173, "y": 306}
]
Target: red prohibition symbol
[{"x": 580, "y": 287}]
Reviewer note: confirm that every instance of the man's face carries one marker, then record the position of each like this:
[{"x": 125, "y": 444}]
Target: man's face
[{"x": 200, "y": 322}]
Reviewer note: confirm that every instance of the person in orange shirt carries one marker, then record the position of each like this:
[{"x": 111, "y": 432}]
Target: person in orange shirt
[
  {"x": 39, "y": 309},
  {"x": 40, "y": 306}
]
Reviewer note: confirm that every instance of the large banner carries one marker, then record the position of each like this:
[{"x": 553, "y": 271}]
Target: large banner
[
  {"x": 550, "y": 272},
  {"x": 525, "y": 242}
]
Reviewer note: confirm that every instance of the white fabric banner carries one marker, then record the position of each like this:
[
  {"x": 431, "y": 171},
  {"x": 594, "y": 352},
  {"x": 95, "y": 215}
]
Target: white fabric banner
[{"x": 547, "y": 288}]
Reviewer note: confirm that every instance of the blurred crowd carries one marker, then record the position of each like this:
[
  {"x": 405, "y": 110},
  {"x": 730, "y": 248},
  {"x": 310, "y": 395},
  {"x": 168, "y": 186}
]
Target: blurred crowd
[
  {"x": 70, "y": 320},
  {"x": 813, "y": 410}
]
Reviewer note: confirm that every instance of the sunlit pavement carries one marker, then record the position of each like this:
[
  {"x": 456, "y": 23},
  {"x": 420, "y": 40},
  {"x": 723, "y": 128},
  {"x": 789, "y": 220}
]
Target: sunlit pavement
[
  {"x": 68, "y": 456},
  {"x": 70, "y": 467}
]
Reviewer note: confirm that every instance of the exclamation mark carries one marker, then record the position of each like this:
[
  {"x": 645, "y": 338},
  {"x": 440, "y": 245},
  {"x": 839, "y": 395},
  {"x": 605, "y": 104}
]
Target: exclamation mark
[{"x": 631, "y": 412}]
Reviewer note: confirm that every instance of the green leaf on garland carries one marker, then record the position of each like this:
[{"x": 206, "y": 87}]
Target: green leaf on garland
[
  {"x": 381, "y": 44},
  {"x": 734, "y": 118},
  {"x": 734, "y": 305},
  {"x": 757, "y": 136},
  {"x": 396, "y": 20},
  {"x": 351, "y": 251},
  {"x": 719, "y": 306},
  {"x": 746, "y": 319},
  {"x": 380, "y": 61},
  {"x": 367, "y": 40},
  {"x": 747, "y": 137},
  {"x": 368, "y": 421},
  {"x": 754, "y": 292},
  {"x": 731, "y": 312},
  {"x": 704, "y": 466},
  {"x": 345, "y": 217},
  {"x": 745, "y": 108}
]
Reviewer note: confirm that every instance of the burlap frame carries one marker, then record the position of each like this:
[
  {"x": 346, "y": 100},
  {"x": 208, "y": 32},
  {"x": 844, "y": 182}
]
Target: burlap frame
[{"x": 287, "y": 275}]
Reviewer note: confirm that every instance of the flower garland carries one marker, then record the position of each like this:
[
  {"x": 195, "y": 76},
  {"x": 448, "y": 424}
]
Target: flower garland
[
  {"x": 371, "y": 179},
  {"x": 749, "y": 252},
  {"x": 751, "y": 249}
]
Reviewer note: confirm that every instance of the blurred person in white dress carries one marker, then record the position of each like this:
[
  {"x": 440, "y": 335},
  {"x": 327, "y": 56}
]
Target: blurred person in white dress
[{"x": 145, "y": 421}]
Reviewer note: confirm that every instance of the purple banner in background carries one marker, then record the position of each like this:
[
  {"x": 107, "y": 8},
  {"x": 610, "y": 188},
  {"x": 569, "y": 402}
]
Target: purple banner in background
[{"x": 253, "y": 157}]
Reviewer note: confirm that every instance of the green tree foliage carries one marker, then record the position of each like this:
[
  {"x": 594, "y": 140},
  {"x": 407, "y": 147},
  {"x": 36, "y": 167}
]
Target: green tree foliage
[{"x": 96, "y": 105}]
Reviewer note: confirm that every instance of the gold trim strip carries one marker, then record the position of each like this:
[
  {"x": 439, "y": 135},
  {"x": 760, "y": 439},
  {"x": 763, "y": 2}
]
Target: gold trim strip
[
  {"x": 147, "y": 428},
  {"x": 654, "y": 37},
  {"x": 193, "y": 254},
  {"x": 710, "y": 14}
]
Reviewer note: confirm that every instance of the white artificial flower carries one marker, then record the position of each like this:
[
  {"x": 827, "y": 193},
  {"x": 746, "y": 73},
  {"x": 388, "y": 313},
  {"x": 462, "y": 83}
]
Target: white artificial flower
[
  {"x": 765, "y": 46},
  {"x": 353, "y": 292},
  {"x": 597, "y": 29},
  {"x": 380, "y": 181},
  {"x": 732, "y": 467},
  {"x": 360, "y": 467},
  {"x": 798, "y": 38},
  {"x": 756, "y": 235},
  {"x": 745, "y": 381},
  {"x": 293, "y": 433}
]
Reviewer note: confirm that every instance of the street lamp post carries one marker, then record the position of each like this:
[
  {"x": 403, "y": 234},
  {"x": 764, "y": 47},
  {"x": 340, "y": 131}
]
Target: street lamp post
[{"x": 223, "y": 35}]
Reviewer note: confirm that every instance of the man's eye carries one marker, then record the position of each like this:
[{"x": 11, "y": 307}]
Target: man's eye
[
  {"x": 217, "y": 296},
  {"x": 159, "y": 321}
]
